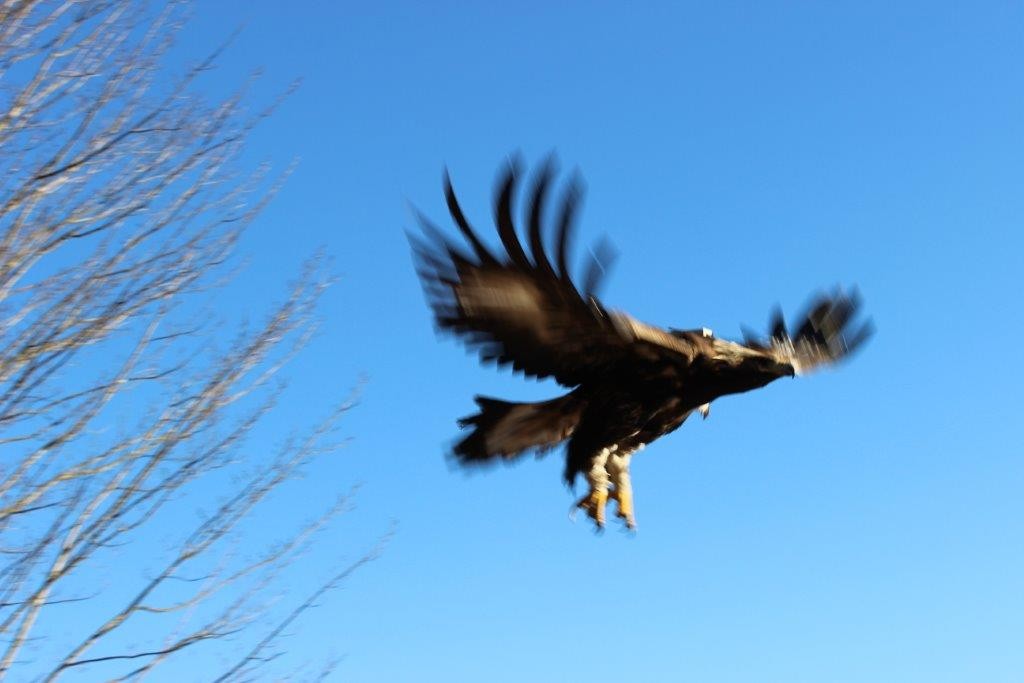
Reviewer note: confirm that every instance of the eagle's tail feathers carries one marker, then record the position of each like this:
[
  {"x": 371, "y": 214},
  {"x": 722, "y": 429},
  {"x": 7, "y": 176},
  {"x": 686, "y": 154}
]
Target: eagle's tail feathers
[{"x": 504, "y": 430}]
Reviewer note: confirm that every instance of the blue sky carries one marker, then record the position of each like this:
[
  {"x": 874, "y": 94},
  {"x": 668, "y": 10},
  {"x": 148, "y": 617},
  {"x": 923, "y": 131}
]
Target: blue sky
[{"x": 858, "y": 525}]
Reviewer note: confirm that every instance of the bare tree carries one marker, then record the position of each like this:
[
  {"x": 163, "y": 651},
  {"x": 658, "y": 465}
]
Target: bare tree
[{"x": 121, "y": 408}]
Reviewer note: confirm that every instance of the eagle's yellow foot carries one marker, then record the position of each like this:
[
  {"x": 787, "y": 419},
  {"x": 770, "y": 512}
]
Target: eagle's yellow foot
[
  {"x": 594, "y": 504},
  {"x": 624, "y": 498},
  {"x": 622, "y": 485}
]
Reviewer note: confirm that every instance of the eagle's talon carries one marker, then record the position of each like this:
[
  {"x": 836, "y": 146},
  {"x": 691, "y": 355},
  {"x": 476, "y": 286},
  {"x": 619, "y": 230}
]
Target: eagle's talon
[
  {"x": 624, "y": 500},
  {"x": 594, "y": 505}
]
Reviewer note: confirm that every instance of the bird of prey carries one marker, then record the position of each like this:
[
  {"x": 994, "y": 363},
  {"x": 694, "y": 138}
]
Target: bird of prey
[{"x": 630, "y": 383}]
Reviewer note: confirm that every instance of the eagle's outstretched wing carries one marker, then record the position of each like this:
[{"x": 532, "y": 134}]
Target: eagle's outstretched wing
[
  {"x": 827, "y": 333},
  {"x": 523, "y": 308}
]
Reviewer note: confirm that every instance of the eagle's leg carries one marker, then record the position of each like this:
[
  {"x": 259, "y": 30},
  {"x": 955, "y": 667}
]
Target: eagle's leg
[
  {"x": 596, "y": 499},
  {"x": 618, "y": 470}
]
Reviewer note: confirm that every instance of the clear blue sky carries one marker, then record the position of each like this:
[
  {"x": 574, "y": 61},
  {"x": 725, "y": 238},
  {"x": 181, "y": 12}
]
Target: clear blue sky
[{"x": 860, "y": 525}]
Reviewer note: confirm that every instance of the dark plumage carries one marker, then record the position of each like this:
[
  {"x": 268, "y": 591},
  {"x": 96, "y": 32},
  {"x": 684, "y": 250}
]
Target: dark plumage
[{"x": 631, "y": 382}]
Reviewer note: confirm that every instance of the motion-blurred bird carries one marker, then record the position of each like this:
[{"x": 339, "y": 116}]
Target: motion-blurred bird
[{"x": 630, "y": 382}]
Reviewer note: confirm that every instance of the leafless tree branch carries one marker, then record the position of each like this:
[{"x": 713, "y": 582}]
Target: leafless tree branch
[{"x": 121, "y": 204}]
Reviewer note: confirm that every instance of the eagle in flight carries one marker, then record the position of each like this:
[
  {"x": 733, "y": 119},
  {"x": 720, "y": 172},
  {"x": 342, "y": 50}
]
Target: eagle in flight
[{"x": 630, "y": 383}]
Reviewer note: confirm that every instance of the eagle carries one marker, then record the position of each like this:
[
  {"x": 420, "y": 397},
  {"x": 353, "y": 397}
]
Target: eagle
[{"x": 629, "y": 382}]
